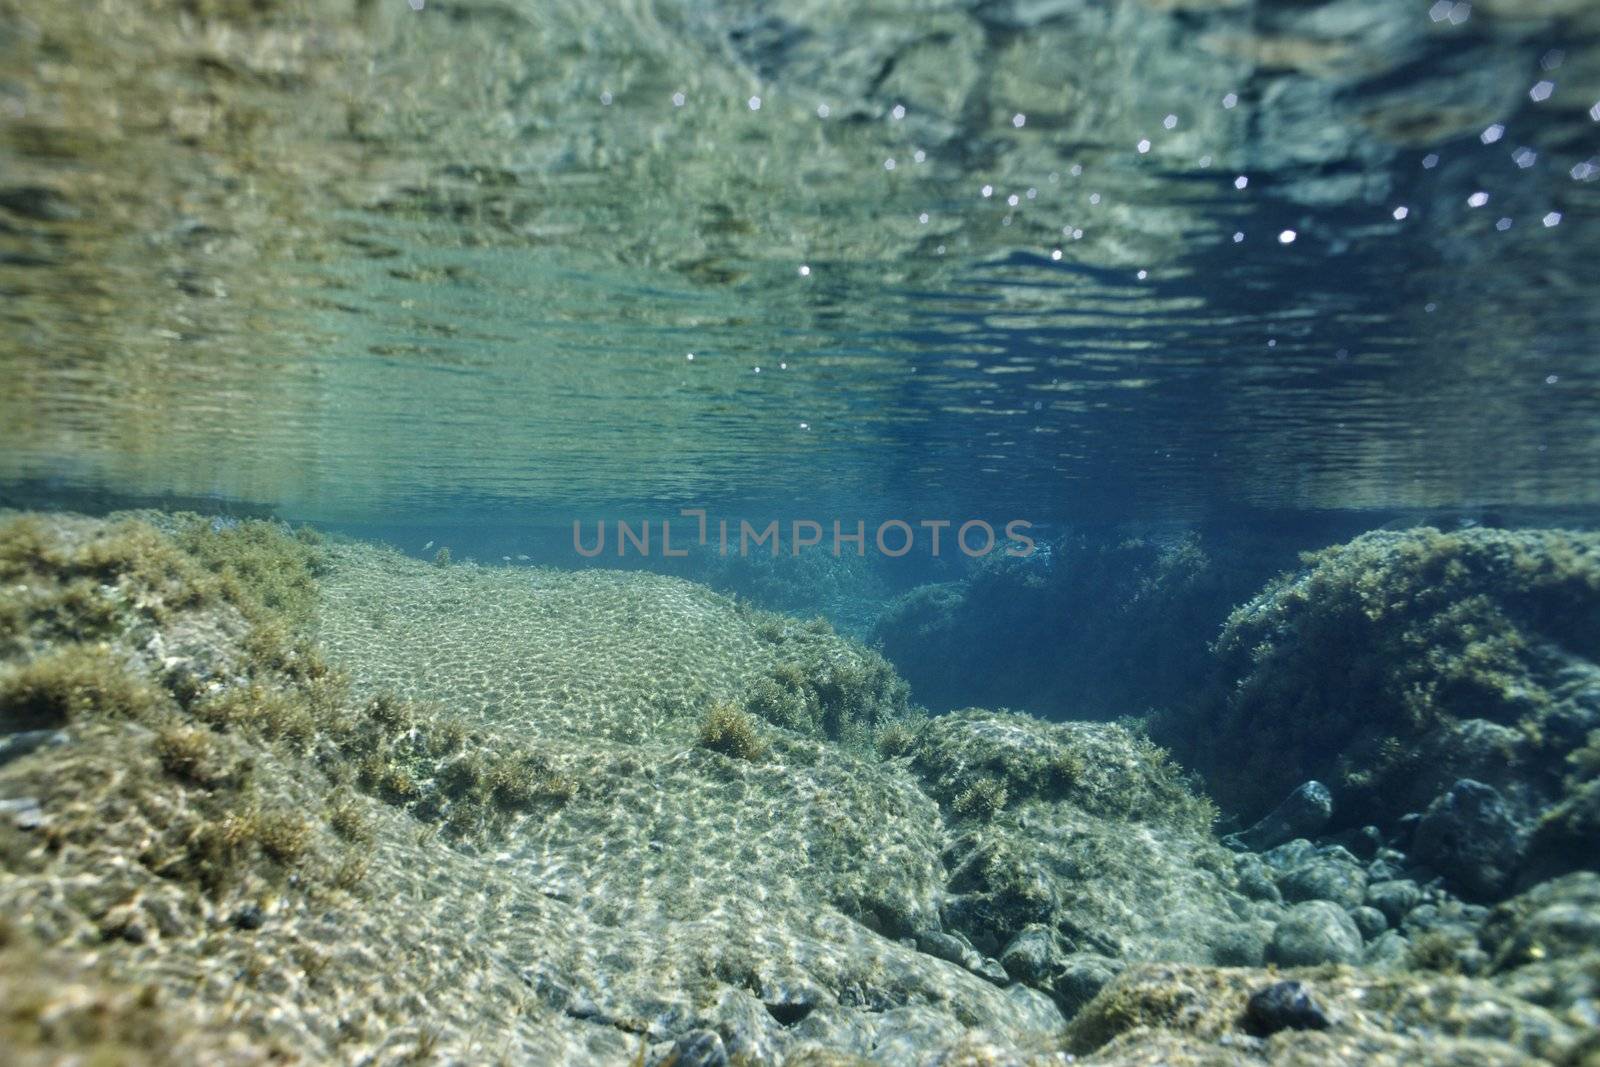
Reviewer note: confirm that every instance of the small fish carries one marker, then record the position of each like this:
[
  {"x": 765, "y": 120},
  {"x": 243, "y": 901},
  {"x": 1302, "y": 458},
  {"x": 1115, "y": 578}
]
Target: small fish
[
  {"x": 505, "y": 559},
  {"x": 523, "y": 557},
  {"x": 427, "y": 546}
]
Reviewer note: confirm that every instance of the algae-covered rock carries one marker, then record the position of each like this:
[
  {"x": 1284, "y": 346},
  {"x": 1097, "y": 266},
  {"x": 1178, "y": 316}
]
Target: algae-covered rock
[
  {"x": 1469, "y": 835},
  {"x": 624, "y": 655},
  {"x": 1103, "y": 769},
  {"x": 1394, "y": 898},
  {"x": 1166, "y": 1014},
  {"x": 1392, "y": 666},
  {"x": 1330, "y": 874},
  {"x": 1315, "y": 932},
  {"x": 1302, "y": 814},
  {"x": 1567, "y": 835},
  {"x": 1099, "y": 854},
  {"x": 225, "y": 805},
  {"x": 1544, "y": 945}
]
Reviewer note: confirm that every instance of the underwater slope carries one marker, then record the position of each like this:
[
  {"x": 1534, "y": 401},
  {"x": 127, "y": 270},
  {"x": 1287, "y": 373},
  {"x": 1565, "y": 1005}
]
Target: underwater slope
[{"x": 267, "y": 796}]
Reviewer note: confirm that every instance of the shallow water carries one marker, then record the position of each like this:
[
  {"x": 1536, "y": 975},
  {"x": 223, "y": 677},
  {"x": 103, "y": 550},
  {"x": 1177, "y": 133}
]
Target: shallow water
[
  {"x": 358, "y": 262},
  {"x": 1253, "y": 344}
]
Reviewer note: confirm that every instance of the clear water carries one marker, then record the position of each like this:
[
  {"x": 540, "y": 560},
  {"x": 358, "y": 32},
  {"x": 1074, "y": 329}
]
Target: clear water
[
  {"x": 373, "y": 262},
  {"x": 1170, "y": 290}
]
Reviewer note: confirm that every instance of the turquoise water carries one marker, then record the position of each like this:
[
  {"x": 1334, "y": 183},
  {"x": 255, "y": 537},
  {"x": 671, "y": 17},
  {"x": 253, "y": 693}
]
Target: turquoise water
[{"x": 365, "y": 263}]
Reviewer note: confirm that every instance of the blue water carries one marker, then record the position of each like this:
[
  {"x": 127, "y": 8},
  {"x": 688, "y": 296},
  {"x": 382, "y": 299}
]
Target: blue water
[{"x": 1244, "y": 272}]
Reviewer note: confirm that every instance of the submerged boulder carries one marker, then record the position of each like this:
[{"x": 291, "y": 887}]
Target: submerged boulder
[
  {"x": 1397, "y": 664},
  {"x": 1469, "y": 835},
  {"x": 1313, "y": 933},
  {"x": 1303, "y": 813},
  {"x": 1086, "y": 850}
]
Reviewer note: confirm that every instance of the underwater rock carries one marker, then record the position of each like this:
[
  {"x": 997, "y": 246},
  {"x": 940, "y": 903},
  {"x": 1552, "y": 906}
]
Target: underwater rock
[
  {"x": 1567, "y": 837},
  {"x": 16, "y": 745},
  {"x": 777, "y": 895},
  {"x": 1303, "y": 813},
  {"x": 1399, "y": 663},
  {"x": 1082, "y": 977},
  {"x": 1289, "y": 855},
  {"x": 1394, "y": 899},
  {"x": 702, "y": 1048},
  {"x": 1332, "y": 874},
  {"x": 1099, "y": 840},
  {"x": 1185, "y": 1014},
  {"x": 1470, "y": 836},
  {"x": 956, "y": 950},
  {"x": 1313, "y": 933},
  {"x": 1364, "y": 842},
  {"x": 37, "y": 202},
  {"x": 25, "y": 812},
  {"x": 1284, "y": 1006},
  {"x": 1388, "y": 951},
  {"x": 1560, "y": 919},
  {"x": 1102, "y": 769},
  {"x": 1544, "y": 945},
  {"x": 1244, "y": 945},
  {"x": 1032, "y": 956},
  {"x": 1370, "y": 921},
  {"x": 1255, "y": 879}
]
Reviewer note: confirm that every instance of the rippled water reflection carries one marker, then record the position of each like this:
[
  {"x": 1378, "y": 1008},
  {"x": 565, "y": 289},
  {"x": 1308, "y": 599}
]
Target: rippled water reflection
[{"x": 1134, "y": 258}]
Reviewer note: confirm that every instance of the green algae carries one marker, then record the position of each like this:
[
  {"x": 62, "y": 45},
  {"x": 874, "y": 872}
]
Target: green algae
[
  {"x": 823, "y": 686},
  {"x": 1365, "y": 667},
  {"x": 994, "y": 758},
  {"x": 728, "y": 730},
  {"x": 69, "y": 685}
]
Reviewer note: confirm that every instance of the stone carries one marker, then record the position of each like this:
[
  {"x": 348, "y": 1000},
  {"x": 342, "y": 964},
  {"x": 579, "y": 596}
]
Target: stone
[
  {"x": 988, "y": 969},
  {"x": 1388, "y": 951},
  {"x": 1470, "y": 836},
  {"x": 37, "y": 202},
  {"x": 1031, "y": 956},
  {"x": 1302, "y": 813},
  {"x": 1290, "y": 854},
  {"x": 1314, "y": 933},
  {"x": 1254, "y": 879},
  {"x": 1395, "y": 898},
  {"x": 1083, "y": 976},
  {"x": 25, "y": 812},
  {"x": 1326, "y": 877},
  {"x": 16, "y": 745},
  {"x": 1370, "y": 921},
  {"x": 943, "y": 946},
  {"x": 1244, "y": 945},
  {"x": 1284, "y": 1006}
]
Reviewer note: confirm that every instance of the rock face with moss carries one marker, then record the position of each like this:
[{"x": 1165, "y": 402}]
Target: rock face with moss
[
  {"x": 1451, "y": 675},
  {"x": 1077, "y": 848}
]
